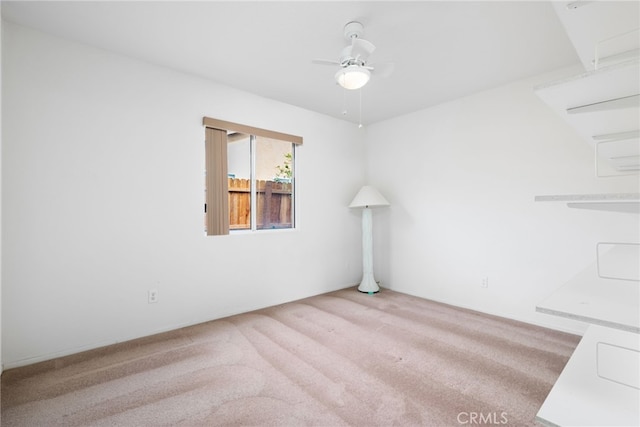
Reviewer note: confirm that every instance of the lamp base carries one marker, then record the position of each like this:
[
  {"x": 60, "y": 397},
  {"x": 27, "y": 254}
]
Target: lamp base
[{"x": 368, "y": 285}]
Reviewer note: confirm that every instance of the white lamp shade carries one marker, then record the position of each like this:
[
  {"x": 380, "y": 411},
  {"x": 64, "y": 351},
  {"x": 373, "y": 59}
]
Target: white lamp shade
[
  {"x": 368, "y": 197},
  {"x": 353, "y": 77}
]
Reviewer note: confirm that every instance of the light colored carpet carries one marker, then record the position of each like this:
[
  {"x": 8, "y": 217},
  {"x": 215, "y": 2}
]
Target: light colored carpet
[{"x": 342, "y": 358}]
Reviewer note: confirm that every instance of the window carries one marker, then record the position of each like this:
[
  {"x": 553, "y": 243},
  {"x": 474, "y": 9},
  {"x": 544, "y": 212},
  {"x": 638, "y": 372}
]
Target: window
[{"x": 250, "y": 178}]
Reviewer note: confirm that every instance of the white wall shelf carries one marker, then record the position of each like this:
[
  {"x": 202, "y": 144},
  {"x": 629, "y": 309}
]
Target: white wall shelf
[
  {"x": 595, "y": 300},
  {"x": 613, "y": 202},
  {"x": 586, "y": 394},
  {"x": 603, "y": 106},
  {"x": 602, "y": 32},
  {"x": 609, "y": 83}
]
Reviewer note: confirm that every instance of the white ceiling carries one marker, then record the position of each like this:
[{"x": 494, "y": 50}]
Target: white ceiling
[{"x": 442, "y": 50}]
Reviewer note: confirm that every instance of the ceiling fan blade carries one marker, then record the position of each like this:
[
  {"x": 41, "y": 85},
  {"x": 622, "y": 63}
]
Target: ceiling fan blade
[
  {"x": 361, "y": 48},
  {"x": 325, "y": 62},
  {"x": 383, "y": 69}
]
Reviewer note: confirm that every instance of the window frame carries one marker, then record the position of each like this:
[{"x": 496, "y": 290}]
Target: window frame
[{"x": 216, "y": 184}]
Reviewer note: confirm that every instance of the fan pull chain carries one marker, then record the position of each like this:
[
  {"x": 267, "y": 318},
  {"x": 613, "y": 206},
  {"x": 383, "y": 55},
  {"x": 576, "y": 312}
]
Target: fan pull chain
[
  {"x": 344, "y": 101},
  {"x": 360, "y": 118}
]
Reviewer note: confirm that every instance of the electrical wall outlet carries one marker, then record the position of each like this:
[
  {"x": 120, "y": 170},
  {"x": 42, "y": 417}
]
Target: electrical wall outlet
[
  {"x": 152, "y": 296},
  {"x": 485, "y": 282}
]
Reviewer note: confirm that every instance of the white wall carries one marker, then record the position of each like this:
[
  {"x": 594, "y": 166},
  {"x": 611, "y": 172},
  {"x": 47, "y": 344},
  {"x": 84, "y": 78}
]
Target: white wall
[
  {"x": 103, "y": 195},
  {"x": 461, "y": 178}
]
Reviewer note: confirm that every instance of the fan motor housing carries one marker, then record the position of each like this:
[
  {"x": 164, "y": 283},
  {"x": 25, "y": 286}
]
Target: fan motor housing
[
  {"x": 353, "y": 29},
  {"x": 346, "y": 59}
]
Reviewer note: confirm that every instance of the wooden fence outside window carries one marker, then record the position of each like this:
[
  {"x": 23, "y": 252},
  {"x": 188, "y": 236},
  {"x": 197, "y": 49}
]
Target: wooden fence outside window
[{"x": 273, "y": 205}]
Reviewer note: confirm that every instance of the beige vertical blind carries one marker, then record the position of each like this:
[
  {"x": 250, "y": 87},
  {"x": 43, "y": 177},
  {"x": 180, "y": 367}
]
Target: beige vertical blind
[{"x": 216, "y": 182}]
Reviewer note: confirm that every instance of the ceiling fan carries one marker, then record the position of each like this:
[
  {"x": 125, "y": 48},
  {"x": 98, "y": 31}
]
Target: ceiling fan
[{"x": 355, "y": 70}]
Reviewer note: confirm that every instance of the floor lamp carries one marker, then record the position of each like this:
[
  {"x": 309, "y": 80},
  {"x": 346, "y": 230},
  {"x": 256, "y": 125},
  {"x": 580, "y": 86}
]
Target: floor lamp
[{"x": 367, "y": 198}]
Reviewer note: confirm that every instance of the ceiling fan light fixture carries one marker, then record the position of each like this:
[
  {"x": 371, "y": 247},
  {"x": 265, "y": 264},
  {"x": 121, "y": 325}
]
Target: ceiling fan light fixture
[{"x": 353, "y": 77}]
